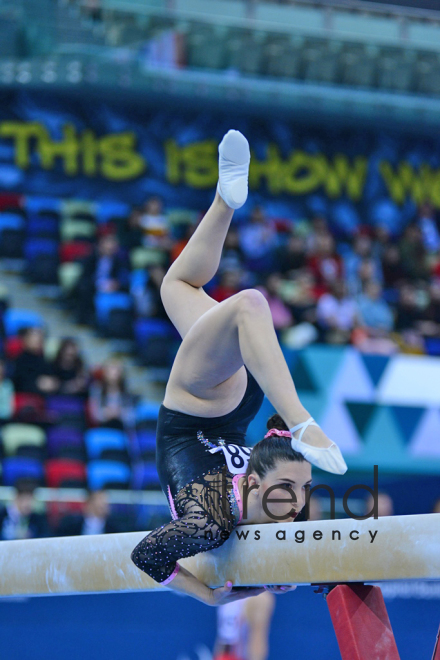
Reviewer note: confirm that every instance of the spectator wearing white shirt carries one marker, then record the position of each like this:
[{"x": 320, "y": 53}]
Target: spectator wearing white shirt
[
  {"x": 258, "y": 239},
  {"x": 337, "y": 314}
]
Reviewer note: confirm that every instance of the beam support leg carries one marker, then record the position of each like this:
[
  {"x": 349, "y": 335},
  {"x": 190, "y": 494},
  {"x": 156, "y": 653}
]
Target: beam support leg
[
  {"x": 361, "y": 623},
  {"x": 436, "y": 655}
]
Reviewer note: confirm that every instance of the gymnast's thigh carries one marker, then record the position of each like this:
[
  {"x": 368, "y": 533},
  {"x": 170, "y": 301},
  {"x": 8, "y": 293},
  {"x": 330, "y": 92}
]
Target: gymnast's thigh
[{"x": 208, "y": 369}]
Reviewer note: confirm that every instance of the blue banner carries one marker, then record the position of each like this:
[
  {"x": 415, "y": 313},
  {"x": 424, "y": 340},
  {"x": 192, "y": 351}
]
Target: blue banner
[{"x": 94, "y": 148}]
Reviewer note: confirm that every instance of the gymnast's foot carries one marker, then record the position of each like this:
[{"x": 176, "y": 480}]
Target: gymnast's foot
[
  {"x": 233, "y": 166},
  {"x": 319, "y": 451}
]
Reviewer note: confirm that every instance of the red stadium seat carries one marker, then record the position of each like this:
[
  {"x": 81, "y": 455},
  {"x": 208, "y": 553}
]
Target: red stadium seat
[
  {"x": 29, "y": 407},
  {"x": 74, "y": 250},
  {"x": 10, "y": 201},
  {"x": 63, "y": 472},
  {"x": 13, "y": 347}
]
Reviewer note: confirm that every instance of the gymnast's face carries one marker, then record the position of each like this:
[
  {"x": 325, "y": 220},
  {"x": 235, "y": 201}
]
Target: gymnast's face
[{"x": 287, "y": 482}]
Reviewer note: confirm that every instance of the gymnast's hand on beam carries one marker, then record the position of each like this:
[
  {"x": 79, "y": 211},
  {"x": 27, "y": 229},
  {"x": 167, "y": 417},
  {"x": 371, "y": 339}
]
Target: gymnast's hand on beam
[
  {"x": 279, "y": 589},
  {"x": 227, "y": 594}
]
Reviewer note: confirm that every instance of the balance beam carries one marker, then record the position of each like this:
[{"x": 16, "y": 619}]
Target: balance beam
[{"x": 328, "y": 551}]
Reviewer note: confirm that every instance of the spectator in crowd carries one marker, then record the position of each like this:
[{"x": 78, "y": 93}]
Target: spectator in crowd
[
  {"x": 430, "y": 321},
  {"x": 374, "y": 313},
  {"x": 110, "y": 404},
  {"x": 69, "y": 368},
  {"x": 281, "y": 315},
  {"x": 95, "y": 519},
  {"x": 337, "y": 314},
  {"x": 32, "y": 372},
  {"x": 428, "y": 225},
  {"x": 325, "y": 265},
  {"x": 393, "y": 273},
  {"x": 146, "y": 294},
  {"x": 313, "y": 231},
  {"x": 230, "y": 284},
  {"x": 129, "y": 231},
  {"x": 385, "y": 505},
  {"x": 291, "y": 256},
  {"x": 180, "y": 242},
  {"x": 154, "y": 224},
  {"x": 409, "y": 309},
  {"x": 233, "y": 257},
  {"x": 300, "y": 295},
  {"x": 18, "y": 520},
  {"x": 105, "y": 270},
  {"x": 6, "y": 394},
  {"x": 355, "y": 264},
  {"x": 258, "y": 239},
  {"x": 413, "y": 253}
]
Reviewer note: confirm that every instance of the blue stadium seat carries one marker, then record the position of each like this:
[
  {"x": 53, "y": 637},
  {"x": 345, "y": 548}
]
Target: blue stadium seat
[
  {"x": 11, "y": 221},
  {"x": 37, "y": 204},
  {"x": 147, "y": 410},
  {"x": 138, "y": 279},
  {"x": 146, "y": 442},
  {"x": 105, "y": 302},
  {"x": 105, "y": 474},
  {"x": 35, "y": 247},
  {"x": 20, "y": 467},
  {"x": 145, "y": 328},
  {"x": 145, "y": 476},
  {"x": 108, "y": 210},
  {"x": 40, "y": 225},
  {"x": 14, "y": 319},
  {"x": 99, "y": 440}
]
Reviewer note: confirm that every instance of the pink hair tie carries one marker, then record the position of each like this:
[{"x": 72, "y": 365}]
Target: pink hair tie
[{"x": 286, "y": 434}]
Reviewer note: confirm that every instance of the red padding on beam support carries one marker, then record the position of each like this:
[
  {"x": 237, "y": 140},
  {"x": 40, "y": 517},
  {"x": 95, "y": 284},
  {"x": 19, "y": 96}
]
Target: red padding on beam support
[
  {"x": 361, "y": 623},
  {"x": 436, "y": 655}
]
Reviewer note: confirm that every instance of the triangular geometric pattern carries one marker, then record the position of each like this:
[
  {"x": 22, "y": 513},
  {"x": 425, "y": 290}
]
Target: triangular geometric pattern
[
  {"x": 383, "y": 439},
  {"x": 338, "y": 425},
  {"x": 426, "y": 439},
  {"x": 376, "y": 365},
  {"x": 407, "y": 419},
  {"x": 302, "y": 377},
  {"x": 315, "y": 404},
  {"x": 323, "y": 363},
  {"x": 361, "y": 414},
  {"x": 353, "y": 381}
]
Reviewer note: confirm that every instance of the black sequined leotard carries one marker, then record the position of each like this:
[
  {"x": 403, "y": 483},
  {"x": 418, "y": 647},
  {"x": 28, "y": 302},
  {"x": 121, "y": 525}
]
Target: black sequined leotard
[{"x": 194, "y": 481}]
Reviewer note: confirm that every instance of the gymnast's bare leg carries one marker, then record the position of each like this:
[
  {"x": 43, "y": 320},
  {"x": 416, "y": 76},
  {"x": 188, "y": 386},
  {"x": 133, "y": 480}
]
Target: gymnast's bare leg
[{"x": 208, "y": 377}]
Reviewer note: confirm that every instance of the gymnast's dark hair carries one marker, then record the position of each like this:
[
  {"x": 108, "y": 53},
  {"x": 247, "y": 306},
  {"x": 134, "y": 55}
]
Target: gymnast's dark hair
[{"x": 266, "y": 453}]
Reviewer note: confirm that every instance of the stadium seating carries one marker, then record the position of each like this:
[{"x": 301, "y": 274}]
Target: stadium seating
[
  {"x": 65, "y": 441},
  {"x": 15, "y": 319},
  {"x": 108, "y": 474},
  {"x": 16, "y": 468},
  {"x": 106, "y": 443},
  {"x": 65, "y": 473},
  {"x": 23, "y": 440},
  {"x": 144, "y": 476}
]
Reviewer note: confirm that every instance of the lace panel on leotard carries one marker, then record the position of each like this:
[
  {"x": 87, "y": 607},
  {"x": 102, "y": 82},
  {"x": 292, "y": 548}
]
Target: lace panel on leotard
[{"x": 205, "y": 508}]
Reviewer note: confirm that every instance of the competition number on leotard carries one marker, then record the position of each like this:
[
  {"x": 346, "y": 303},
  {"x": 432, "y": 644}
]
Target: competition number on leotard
[{"x": 237, "y": 457}]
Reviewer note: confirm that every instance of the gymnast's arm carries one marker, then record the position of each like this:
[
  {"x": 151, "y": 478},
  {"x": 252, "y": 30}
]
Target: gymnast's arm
[
  {"x": 194, "y": 532},
  {"x": 186, "y": 583}
]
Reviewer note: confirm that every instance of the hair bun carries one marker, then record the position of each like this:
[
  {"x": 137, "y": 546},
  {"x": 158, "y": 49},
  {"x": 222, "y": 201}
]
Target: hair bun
[{"x": 277, "y": 422}]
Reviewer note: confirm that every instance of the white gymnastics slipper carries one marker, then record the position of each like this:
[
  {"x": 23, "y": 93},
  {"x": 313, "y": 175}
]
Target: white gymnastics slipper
[
  {"x": 233, "y": 168},
  {"x": 326, "y": 458}
]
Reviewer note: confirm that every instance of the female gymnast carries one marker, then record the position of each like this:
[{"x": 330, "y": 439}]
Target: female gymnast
[{"x": 228, "y": 359}]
